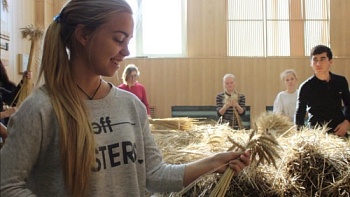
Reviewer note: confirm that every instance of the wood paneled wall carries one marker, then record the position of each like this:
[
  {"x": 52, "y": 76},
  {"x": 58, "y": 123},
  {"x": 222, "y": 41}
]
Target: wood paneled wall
[
  {"x": 21, "y": 14},
  {"x": 196, "y": 79},
  {"x": 206, "y": 28}
]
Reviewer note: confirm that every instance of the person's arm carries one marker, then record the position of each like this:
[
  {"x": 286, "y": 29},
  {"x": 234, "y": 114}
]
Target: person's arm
[
  {"x": 3, "y": 132},
  {"x": 6, "y": 95},
  {"x": 221, "y": 107},
  {"x": 346, "y": 100},
  {"x": 277, "y": 105},
  {"x": 300, "y": 108},
  {"x": 4, "y": 91},
  {"x": 235, "y": 160},
  {"x": 240, "y": 106},
  {"x": 145, "y": 101},
  {"x": 14, "y": 97},
  {"x": 343, "y": 127},
  {"x": 7, "y": 112},
  {"x": 21, "y": 151}
]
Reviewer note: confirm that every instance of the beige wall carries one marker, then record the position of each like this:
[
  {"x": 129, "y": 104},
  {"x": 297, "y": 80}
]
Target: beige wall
[
  {"x": 197, "y": 79},
  {"x": 21, "y": 14}
]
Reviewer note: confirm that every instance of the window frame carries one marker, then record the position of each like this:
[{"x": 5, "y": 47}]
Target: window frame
[
  {"x": 299, "y": 44},
  {"x": 136, "y": 45}
]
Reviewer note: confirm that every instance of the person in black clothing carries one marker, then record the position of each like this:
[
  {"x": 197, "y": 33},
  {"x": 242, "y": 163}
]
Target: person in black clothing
[
  {"x": 6, "y": 85},
  {"x": 323, "y": 94},
  {"x": 6, "y": 89},
  {"x": 9, "y": 91},
  {"x": 4, "y": 113}
]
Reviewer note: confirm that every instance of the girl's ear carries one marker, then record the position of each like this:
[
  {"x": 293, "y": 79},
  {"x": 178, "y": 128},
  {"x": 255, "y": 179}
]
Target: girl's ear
[{"x": 81, "y": 34}]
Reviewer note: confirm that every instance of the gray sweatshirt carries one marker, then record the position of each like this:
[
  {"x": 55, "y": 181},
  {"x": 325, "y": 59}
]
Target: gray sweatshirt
[{"x": 127, "y": 159}]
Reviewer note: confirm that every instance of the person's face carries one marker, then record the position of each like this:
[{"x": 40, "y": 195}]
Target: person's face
[
  {"x": 320, "y": 63},
  {"x": 290, "y": 81},
  {"x": 110, "y": 44},
  {"x": 229, "y": 84},
  {"x": 132, "y": 77}
]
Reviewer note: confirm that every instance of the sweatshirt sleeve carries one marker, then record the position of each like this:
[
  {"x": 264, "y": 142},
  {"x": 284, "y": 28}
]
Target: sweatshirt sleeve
[
  {"x": 145, "y": 101},
  {"x": 346, "y": 99},
  {"x": 161, "y": 177},
  {"x": 301, "y": 107},
  {"x": 21, "y": 150}
]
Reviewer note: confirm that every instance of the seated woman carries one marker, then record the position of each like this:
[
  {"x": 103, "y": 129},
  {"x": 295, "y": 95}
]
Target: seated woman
[
  {"x": 285, "y": 102},
  {"x": 3, "y": 129},
  {"x": 5, "y": 112},
  {"x": 8, "y": 92},
  {"x": 230, "y": 104},
  {"x": 130, "y": 83},
  {"x": 8, "y": 89},
  {"x": 6, "y": 86}
]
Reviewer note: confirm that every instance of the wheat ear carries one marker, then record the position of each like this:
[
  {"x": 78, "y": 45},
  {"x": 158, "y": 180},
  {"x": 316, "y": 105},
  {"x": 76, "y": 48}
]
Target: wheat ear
[{"x": 264, "y": 146}]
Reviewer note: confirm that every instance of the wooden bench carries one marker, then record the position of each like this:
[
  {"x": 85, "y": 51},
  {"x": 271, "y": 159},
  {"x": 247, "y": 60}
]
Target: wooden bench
[
  {"x": 206, "y": 112},
  {"x": 246, "y": 118},
  {"x": 269, "y": 108}
]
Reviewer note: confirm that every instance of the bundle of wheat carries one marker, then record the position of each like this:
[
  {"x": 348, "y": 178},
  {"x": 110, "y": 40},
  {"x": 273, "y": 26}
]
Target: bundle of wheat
[
  {"x": 273, "y": 123},
  {"x": 263, "y": 147},
  {"x": 35, "y": 34}
]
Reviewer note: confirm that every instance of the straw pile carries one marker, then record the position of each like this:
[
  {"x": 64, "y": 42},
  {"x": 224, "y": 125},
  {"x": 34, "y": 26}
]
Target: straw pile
[
  {"x": 182, "y": 146},
  {"x": 312, "y": 163},
  {"x": 264, "y": 150},
  {"x": 183, "y": 124},
  {"x": 315, "y": 164}
]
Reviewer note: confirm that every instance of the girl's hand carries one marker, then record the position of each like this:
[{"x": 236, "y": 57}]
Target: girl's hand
[
  {"x": 8, "y": 111},
  {"x": 237, "y": 161}
]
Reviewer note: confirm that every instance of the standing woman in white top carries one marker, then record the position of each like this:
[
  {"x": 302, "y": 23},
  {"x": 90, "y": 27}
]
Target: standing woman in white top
[{"x": 285, "y": 102}]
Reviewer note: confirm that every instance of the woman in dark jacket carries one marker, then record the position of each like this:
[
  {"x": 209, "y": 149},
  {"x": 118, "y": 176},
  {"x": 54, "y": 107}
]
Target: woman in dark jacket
[
  {"x": 4, "y": 79},
  {"x": 8, "y": 89}
]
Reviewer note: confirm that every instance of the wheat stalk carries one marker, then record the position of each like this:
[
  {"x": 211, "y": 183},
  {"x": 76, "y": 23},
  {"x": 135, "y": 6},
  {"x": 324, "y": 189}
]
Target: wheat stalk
[
  {"x": 35, "y": 34},
  {"x": 263, "y": 148}
]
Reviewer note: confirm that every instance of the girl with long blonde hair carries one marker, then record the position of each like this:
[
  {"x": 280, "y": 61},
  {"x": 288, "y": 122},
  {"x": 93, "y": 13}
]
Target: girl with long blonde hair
[{"x": 78, "y": 135}]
